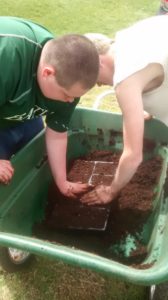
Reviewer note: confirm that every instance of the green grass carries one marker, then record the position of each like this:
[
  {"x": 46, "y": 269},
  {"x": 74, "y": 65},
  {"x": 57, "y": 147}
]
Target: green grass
[
  {"x": 56, "y": 281},
  {"x": 107, "y": 103},
  {"x": 51, "y": 279},
  {"x": 62, "y": 16}
]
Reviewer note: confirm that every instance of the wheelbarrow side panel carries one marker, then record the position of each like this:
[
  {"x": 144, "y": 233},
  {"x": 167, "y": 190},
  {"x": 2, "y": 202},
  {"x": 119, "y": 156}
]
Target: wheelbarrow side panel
[{"x": 22, "y": 202}]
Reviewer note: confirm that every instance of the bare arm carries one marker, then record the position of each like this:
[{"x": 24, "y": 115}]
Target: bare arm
[
  {"x": 56, "y": 148},
  {"x": 130, "y": 100},
  {"x": 133, "y": 127},
  {"x": 129, "y": 95}
]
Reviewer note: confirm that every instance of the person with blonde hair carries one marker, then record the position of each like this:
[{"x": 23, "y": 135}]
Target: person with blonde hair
[
  {"x": 41, "y": 75},
  {"x": 136, "y": 65}
]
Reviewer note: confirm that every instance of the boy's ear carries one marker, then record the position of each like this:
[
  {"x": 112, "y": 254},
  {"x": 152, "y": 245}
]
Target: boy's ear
[
  {"x": 101, "y": 62},
  {"x": 48, "y": 71}
]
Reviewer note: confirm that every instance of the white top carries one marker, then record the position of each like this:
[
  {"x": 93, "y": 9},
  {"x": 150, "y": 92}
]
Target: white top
[{"x": 137, "y": 46}]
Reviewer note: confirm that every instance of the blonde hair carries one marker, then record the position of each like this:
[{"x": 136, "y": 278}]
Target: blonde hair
[
  {"x": 101, "y": 42},
  {"x": 75, "y": 59}
]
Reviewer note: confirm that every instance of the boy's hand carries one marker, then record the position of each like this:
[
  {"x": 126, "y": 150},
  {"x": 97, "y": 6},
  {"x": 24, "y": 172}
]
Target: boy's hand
[
  {"x": 73, "y": 189},
  {"x": 6, "y": 171},
  {"x": 100, "y": 195}
]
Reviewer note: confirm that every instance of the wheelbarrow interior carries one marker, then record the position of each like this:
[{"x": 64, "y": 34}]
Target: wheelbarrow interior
[{"x": 23, "y": 202}]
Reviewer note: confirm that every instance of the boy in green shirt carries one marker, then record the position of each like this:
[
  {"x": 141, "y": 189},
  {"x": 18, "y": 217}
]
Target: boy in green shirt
[{"x": 41, "y": 75}]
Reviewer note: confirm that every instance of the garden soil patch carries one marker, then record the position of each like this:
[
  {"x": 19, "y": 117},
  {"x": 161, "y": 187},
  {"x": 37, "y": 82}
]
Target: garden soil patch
[{"x": 125, "y": 215}]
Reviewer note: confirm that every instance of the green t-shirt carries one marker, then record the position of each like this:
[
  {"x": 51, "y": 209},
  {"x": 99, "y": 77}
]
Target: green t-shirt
[{"x": 21, "y": 42}]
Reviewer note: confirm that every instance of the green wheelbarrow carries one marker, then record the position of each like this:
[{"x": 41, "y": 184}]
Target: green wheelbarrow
[{"x": 23, "y": 203}]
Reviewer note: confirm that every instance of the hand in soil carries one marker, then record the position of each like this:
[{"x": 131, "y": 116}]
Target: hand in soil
[
  {"x": 100, "y": 195},
  {"x": 73, "y": 189}
]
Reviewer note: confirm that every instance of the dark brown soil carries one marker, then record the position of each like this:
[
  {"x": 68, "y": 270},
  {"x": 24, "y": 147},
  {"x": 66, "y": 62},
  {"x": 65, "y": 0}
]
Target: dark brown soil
[{"x": 125, "y": 215}]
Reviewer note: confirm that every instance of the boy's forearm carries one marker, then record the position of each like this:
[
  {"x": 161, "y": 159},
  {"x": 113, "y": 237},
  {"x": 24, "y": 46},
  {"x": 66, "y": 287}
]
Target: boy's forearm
[
  {"x": 56, "y": 147},
  {"x": 127, "y": 167}
]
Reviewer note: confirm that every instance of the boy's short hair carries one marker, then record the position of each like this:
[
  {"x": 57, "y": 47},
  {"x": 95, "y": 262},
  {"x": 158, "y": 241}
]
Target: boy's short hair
[
  {"x": 75, "y": 59},
  {"x": 101, "y": 42}
]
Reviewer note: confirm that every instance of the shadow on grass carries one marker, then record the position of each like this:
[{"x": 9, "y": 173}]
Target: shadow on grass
[{"x": 57, "y": 281}]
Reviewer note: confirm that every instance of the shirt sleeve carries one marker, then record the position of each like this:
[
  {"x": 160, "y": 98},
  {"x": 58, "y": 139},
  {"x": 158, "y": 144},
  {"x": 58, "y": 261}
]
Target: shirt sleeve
[{"x": 58, "y": 117}]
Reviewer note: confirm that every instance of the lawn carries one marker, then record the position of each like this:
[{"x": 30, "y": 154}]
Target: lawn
[
  {"x": 51, "y": 279},
  {"x": 62, "y": 16}
]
